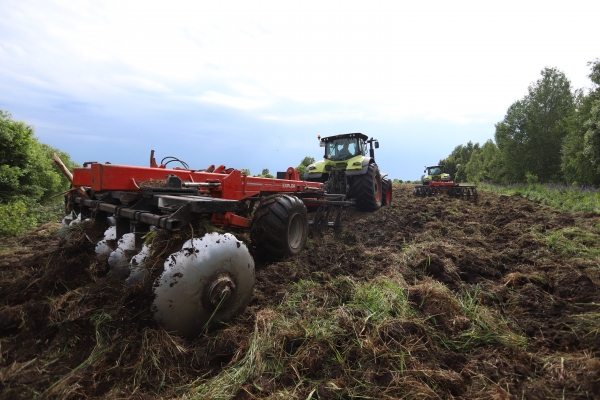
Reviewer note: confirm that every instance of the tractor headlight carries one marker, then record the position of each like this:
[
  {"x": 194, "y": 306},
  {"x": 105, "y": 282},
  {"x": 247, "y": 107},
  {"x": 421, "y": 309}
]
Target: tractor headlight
[
  {"x": 311, "y": 167},
  {"x": 357, "y": 163}
]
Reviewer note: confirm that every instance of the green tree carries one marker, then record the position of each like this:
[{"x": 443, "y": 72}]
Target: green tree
[
  {"x": 246, "y": 171},
  {"x": 592, "y": 123},
  {"x": 577, "y": 166},
  {"x": 485, "y": 164},
  {"x": 592, "y": 136},
  {"x": 595, "y": 73},
  {"x": 457, "y": 160},
  {"x": 28, "y": 176},
  {"x": 265, "y": 174},
  {"x": 306, "y": 161},
  {"x": 531, "y": 134}
]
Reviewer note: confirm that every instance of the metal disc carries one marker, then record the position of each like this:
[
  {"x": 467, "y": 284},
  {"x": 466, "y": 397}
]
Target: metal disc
[
  {"x": 119, "y": 259},
  {"x": 210, "y": 279},
  {"x": 103, "y": 247}
]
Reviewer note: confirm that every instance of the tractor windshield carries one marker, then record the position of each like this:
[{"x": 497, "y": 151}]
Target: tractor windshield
[
  {"x": 435, "y": 171},
  {"x": 343, "y": 149}
]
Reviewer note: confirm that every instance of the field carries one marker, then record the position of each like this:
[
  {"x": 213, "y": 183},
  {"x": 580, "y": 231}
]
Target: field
[{"x": 429, "y": 298}]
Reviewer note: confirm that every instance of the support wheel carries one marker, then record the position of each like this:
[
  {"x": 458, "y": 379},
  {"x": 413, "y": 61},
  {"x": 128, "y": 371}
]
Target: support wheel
[
  {"x": 367, "y": 190},
  {"x": 279, "y": 226},
  {"x": 386, "y": 191},
  {"x": 209, "y": 280}
]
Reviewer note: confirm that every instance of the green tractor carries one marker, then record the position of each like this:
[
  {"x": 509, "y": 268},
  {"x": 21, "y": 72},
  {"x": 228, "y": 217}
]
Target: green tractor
[
  {"x": 435, "y": 173},
  {"x": 347, "y": 169}
]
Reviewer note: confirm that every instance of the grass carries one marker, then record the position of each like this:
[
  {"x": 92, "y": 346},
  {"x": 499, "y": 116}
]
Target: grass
[
  {"x": 568, "y": 198},
  {"x": 574, "y": 241},
  {"x": 353, "y": 329},
  {"x": 487, "y": 326},
  {"x": 62, "y": 387}
]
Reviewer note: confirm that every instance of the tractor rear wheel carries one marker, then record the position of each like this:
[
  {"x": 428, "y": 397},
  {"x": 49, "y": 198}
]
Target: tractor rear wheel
[
  {"x": 386, "y": 192},
  {"x": 367, "y": 189},
  {"x": 279, "y": 226}
]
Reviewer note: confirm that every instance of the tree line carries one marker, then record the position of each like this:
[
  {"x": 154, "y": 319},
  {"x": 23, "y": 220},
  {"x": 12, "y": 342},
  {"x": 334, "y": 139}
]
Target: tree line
[{"x": 552, "y": 135}]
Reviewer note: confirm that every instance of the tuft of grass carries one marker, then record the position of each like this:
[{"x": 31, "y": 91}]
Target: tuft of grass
[
  {"x": 589, "y": 323},
  {"x": 229, "y": 381},
  {"x": 157, "y": 358},
  {"x": 573, "y": 242},
  {"x": 382, "y": 299},
  {"x": 486, "y": 326},
  {"x": 64, "y": 387}
]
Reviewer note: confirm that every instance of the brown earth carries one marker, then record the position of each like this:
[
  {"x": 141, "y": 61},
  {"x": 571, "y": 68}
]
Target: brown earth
[{"x": 503, "y": 301}]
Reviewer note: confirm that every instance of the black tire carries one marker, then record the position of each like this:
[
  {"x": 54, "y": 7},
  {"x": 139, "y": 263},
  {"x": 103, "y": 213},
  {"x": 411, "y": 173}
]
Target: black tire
[
  {"x": 386, "y": 191},
  {"x": 279, "y": 226},
  {"x": 367, "y": 190}
]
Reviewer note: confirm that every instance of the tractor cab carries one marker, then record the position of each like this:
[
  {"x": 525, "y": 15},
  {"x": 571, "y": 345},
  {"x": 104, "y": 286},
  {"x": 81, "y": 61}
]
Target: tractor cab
[
  {"x": 341, "y": 149},
  {"x": 346, "y": 146},
  {"x": 435, "y": 173}
]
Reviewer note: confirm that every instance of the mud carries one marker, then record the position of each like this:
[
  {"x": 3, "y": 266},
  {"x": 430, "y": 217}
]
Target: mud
[{"x": 530, "y": 266}]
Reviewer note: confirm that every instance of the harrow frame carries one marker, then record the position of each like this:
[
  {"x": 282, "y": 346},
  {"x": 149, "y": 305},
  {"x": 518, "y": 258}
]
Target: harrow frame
[{"x": 139, "y": 197}]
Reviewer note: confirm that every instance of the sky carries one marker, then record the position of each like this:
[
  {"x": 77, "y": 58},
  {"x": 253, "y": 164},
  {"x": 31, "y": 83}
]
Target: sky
[{"x": 250, "y": 84}]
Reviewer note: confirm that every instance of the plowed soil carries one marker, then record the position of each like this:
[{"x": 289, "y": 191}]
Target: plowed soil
[{"x": 496, "y": 298}]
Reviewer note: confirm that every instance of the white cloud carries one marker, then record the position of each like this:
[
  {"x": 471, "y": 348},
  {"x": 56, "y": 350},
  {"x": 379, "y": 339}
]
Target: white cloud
[
  {"x": 136, "y": 82},
  {"x": 389, "y": 59},
  {"x": 241, "y": 103},
  {"x": 316, "y": 117}
]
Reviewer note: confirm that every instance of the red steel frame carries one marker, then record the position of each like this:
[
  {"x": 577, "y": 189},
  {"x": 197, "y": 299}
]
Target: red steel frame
[
  {"x": 443, "y": 184},
  {"x": 232, "y": 184}
]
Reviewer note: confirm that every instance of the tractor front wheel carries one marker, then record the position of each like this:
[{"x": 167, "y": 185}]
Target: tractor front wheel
[
  {"x": 367, "y": 190},
  {"x": 279, "y": 226}
]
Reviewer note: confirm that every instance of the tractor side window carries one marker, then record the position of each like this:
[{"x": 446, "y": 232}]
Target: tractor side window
[{"x": 353, "y": 148}]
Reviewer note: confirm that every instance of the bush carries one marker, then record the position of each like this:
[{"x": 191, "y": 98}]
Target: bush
[
  {"x": 28, "y": 177},
  {"x": 15, "y": 218}
]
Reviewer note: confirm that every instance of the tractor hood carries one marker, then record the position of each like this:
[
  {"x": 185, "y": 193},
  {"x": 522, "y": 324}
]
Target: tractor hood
[{"x": 356, "y": 165}]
